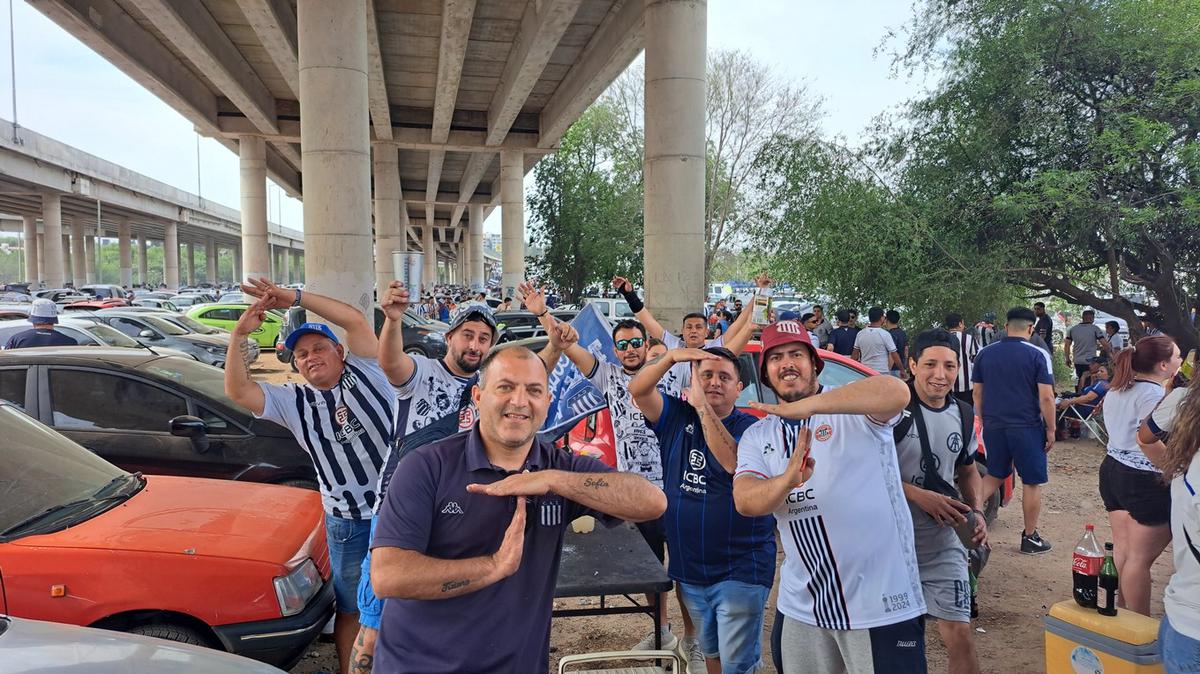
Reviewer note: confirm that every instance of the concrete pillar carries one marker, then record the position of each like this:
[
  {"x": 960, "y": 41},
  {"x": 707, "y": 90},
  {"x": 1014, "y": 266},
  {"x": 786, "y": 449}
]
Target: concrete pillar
[
  {"x": 41, "y": 262},
  {"x": 252, "y": 156},
  {"x": 210, "y": 261},
  {"x": 475, "y": 258},
  {"x": 124, "y": 257},
  {"x": 171, "y": 255},
  {"x": 285, "y": 255},
  {"x": 143, "y": 260},
  {"x": 429, "y": 263},
  {"x": 191, "y": 264},
  {"x": 51, "y": 245},
  {"x": 676, "y": 38},
  {"x": 29, "y": 240},
  {"x": 297, "y": 267},
  {"x": 237, "y": 265},
  {"x": 78, "y": 263},
  {"x": 462, "y": 262},
  {"x": 335, "y": 150},
  {"x": 512, "y": 220},
  {"x": 89, "y": 252},
  {"x": 385, "y": 169}
]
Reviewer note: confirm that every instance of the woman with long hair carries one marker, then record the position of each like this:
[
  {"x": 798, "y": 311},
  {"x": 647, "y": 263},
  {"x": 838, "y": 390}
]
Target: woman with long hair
[
  {"x": 1177, "y": 420},
  {"x": 1131, "y": 486}
]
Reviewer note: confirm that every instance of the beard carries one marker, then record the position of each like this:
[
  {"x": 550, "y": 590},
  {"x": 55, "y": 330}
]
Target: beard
[
  {"x": 793, "y": 396},
  {"x": 465, "y": 366}
]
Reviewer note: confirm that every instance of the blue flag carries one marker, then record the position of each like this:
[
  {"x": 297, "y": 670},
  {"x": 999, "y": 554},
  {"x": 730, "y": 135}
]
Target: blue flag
[{"x": 574, "y": 397}]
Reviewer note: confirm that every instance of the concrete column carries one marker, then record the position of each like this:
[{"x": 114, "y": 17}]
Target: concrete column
[
  {"x": 475, "y": 246},
  {"x": 143, "y": 260},
  {"x": 171, "y": 255},
  {"x": 462, "y": 262},
  {"x": 335, "y": 149},
  {"x": 78, "y": 253},
  {"x": 512, "y": 220},
  {"x": 29, "y": 242},
  {"x": 191, "y": 264},
  {"x": 674, "y": 157},
  {"x": 238, "y": 277},
  {"x": 385, "y": 169},
  {"x": 41, "y": 267},
  {"x": 429, "y": 264},
  {"x": 210, "y": 261},
  {"x": 89, "y": 251},
  {"x": 68, "y": 268},
  {"x": 297, "y": 267},
  {"x": 285, "y": 255},
  {"x": 124, "y": 258},
  {"x": 51, "y": 245},
  {"x": 252, "y": 156}
]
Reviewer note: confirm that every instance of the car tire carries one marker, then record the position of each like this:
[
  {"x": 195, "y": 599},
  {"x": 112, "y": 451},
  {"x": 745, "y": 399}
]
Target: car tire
[
  {"x": 310, "y": 485},
  {"x": 170, "y": 632},
  {"x": 415, "y": 351}
]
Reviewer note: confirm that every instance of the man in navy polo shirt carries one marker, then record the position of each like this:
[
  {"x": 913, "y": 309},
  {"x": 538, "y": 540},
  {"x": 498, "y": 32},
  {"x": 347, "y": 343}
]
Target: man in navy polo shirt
[
  {"x": 468, "y": 574},
  {"x": 723, "y": 562},
  {"x": 1013, "y": 384}
]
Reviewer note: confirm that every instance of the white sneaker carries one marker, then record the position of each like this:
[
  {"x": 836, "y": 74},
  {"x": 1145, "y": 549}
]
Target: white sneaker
[
  {"x": 689, "y": 650},
  {"x": 669, "y": 641}
]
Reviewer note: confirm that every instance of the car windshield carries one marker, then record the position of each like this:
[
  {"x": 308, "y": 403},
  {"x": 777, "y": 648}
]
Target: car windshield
[
  {"x": 41, "y": 470},
  {"x": 194, "y": 375},
  {"x": 193, "y": 325},
  {"x": 623, "y": 309},
  {"x": 165, "y": 327},
  {"x": 110, "y": 336}
]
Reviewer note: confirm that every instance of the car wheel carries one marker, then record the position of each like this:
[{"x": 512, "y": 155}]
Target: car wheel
[
  {"x": 310, "y": 485},
  {"x": 415, "y": 351},
  {"x": 170, "y": 632}
]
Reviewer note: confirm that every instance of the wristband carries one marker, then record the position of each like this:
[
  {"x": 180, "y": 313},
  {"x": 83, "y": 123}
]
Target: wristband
[
  {"x": 542, "y": 314},
  {"x": 296, "y": 302},
  {"x": 632, "y": 299}
]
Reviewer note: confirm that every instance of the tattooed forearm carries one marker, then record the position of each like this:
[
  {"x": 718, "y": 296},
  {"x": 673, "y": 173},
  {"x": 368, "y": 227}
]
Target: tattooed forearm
[
  {"x": 455, "y": 584},
  {"x": 596, "y": 483},
  {"x": 362, "y": 664}
]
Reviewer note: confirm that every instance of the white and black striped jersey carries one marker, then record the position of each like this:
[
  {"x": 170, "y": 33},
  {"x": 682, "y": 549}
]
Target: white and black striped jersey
[
  {"x": 967, "y": 350},
  {"x": 850, "y": 561},
  {"x": 346, "y": 431}
]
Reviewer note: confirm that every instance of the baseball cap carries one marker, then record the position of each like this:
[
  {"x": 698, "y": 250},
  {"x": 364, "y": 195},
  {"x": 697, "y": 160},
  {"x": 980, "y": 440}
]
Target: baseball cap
[
  {"x": 789, "y": 315},
  {"x": 473, "y": 312},
  {"x": 43, "y": 311},
  {"x": 786, "y": 332},
  {"x": 306, "y": 328}
]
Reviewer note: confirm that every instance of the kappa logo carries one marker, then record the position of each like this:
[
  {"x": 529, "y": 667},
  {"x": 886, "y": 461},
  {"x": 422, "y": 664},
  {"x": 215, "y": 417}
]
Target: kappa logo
[
  {"x": 452, "y": 508},
  {"x": 690, "y": 429},
  {"x": 823, "y": 433}
]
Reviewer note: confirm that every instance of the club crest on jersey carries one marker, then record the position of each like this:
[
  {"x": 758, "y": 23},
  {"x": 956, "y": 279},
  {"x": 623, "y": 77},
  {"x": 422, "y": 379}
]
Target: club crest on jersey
[
  {"x": 349, "y": 381},
  {"x": 341, "y": 414},
  {"x": 466, "y": 417},
  {"x": 696, "y": 459},
  {"x": 823, "y": 433}
]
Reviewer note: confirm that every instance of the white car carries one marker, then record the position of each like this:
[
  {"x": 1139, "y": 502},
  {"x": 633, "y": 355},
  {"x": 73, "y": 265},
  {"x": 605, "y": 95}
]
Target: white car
[{"x": 613, "y": 308}]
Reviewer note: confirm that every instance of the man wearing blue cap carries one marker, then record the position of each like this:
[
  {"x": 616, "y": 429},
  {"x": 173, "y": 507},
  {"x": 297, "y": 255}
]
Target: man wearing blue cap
[
  {"x": 343, "y": 415},
  {"x": 43, "y": 314}
]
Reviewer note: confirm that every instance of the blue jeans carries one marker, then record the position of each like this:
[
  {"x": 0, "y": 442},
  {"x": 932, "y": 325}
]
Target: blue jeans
[
  {"x": 1180, "y": 653},
  {"x": 370, "y": 607},
  {"x": 348, "y": 540},
  {"x": 729, "y": 616}
]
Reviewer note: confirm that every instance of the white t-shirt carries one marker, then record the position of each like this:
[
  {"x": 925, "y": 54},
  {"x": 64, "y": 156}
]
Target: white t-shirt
[
  {"x": 1124, "y": 412},
  {"x": 679, "y": 377},
  {"x": 850, "y": 560},
  {"x": 947, "y": 446},
  {"x": 637, "y": 446},
  {"x": 874, "y": 345},
  {"x": 1116, "y": 341},
  {"x": 432, "y": 392}
]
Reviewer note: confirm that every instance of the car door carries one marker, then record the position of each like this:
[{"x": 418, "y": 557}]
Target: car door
[
  {"x": 123, "y": 419},
  {"x": 14, "y": 384}
]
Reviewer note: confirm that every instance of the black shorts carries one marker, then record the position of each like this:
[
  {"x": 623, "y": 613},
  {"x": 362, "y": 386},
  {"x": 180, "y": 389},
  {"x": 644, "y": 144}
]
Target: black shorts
[
  {"x": 1139, "y": 492},
  {"x": 655, "y": 533}
]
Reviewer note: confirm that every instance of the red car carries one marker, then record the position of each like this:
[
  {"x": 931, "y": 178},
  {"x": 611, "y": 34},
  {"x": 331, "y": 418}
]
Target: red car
[
  {"x": 96, "y": 305},
  {"x": 594, "y": 435}
]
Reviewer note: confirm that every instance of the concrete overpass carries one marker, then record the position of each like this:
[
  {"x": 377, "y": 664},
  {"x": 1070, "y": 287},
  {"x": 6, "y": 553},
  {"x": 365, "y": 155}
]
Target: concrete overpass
[
  {"x": 67, "y": 197},
  {"x": 396, "y": 119}
]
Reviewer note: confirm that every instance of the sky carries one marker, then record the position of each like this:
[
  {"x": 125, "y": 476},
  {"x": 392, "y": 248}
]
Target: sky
[{"x": 66, "y": 91}]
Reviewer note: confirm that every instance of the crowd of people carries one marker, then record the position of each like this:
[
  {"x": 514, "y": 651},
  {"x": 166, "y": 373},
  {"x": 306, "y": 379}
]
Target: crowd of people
[{"x": 445, "y": 511}]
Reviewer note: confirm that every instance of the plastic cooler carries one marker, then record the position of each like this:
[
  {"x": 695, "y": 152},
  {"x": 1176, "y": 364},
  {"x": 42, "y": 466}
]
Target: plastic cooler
[{"x": 1081, "y": 641}]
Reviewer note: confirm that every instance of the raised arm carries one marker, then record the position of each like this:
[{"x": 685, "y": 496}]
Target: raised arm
[
  {"x": 880, "y": 398},
  {"x": 583, "y": 359},
  {"x": 640, "y": 312},
  {"x": 622, "y": 495},
  {"x": 360, "y": 336},
  {"x": 396, "y": 364},
  {"x": 408, "y": 574},
  {"x": 742, "y": 329},
  {"x": 561, "y": 335},
  {"x": 238, "y": 385}
]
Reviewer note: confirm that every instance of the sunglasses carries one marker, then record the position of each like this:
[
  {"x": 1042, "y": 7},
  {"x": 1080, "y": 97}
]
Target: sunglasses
[{"x": 624, "y": 344}]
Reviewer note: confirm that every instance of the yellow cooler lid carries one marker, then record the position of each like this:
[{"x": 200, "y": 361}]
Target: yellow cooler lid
[{"x": 1127, "y": 627}]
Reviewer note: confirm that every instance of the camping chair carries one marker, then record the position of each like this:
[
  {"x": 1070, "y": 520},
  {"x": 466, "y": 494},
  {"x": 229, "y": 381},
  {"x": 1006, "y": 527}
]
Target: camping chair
[
  {"x": 676, "y": 663},
  {"x": 1093, "y": 421}
]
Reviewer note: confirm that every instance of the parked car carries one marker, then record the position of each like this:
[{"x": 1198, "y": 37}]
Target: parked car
[
  {"x": 613, "y": 308},
  {"x": 95, "y": 304},
  {"x": 155, "y": 303},
  {"x": 184, "y": 302},
  {"x": 235, "y": 297},
  {"x": 153, "y": 331},
  {"x": 153, "y": 294},
  {"x": 222, "y": 315},
  {"x": 421, "y": 335},
  {"x": 513, "y": 325},
  {"x": 84, "y": 332},
  {"x": 105, "y": 291},
  {"x": 237, "y": 567},
  {"x": 52, "y": 648},
  {"x": 62, "y": 295},
  {"x": 158, "y": 414}
]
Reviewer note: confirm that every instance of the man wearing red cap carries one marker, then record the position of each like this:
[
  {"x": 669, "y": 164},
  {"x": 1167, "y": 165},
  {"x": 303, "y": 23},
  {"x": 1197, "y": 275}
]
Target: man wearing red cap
[{"x": 824, "y": 464}]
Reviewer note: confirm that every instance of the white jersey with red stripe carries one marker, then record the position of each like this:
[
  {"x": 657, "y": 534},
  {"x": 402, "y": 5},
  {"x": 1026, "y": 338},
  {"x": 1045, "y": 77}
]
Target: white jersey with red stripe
[{"x": 850, "y": 561}]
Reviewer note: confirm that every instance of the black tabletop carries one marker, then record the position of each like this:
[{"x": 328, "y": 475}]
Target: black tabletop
[{"x": 609, "y": 562}]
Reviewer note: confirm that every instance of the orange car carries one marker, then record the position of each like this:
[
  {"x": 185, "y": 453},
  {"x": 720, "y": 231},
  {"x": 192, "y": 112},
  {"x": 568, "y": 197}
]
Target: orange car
[{"x": 239, "y": 567}]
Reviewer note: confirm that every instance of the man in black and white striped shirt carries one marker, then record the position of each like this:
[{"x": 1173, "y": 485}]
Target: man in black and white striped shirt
[
  {"x": 343, "y": 416},
  {"x": 967, "y": 348}
]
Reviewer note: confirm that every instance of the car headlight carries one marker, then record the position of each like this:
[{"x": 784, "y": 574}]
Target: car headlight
[
  {"x": 214, "y": 350},
  {"x": 296, "y": 589},
  {"x": 433, "y": 335}
]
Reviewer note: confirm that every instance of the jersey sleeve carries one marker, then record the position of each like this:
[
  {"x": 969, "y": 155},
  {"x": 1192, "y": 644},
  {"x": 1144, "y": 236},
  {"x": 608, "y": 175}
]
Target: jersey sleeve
[
  {"x": 671, "y": 340},
  {"x": 421, "y": 366},
  {"x": 752, "y": 451},
  {"x": 279, "y": 405},
  {"x": 1162, "y": 420},
  {"x": 371, "y": 368},
  {"x": 979, "y": 371},
  {"x": 599, "y": 374},
  {"x": 406, "y": 518}
]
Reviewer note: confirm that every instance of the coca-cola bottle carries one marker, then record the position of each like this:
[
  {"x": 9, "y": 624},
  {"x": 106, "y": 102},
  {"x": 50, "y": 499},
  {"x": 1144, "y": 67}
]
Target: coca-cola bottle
[{"x": 1085, "y": 568}]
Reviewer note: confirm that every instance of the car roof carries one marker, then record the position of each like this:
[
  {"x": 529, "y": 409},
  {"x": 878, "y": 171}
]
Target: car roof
[{"x": 82, "y": 355}]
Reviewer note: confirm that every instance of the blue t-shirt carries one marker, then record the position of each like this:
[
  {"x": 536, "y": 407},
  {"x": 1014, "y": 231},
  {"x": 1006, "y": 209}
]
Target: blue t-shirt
[
  {"x": 1010, "y": 371},
  {"x": 34, "y": 337},
  {"x": 709, "y": 540},
  {"x": 842, "y": 339},
  {"x": 1099, "y": 388}
]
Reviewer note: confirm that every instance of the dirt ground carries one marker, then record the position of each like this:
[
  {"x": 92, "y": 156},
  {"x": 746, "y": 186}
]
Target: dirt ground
[{"x": 1015, "y": 591}]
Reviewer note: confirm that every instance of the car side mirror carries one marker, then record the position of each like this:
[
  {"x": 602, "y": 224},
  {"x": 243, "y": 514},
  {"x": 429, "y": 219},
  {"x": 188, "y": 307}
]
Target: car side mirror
[
  {"x": 193, "y": 428},
  {"x": 148, "y": 334}
]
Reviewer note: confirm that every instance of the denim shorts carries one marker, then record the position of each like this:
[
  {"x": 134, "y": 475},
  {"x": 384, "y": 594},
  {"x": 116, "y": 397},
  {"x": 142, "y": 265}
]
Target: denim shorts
[
  {"x": 348, "y": 541},
  {"x": 370, "y": 607},
  {"x": 1024, "y": 448},
  {"x": 1180, "y": 653},
  {"x": 729, "y": 617}
]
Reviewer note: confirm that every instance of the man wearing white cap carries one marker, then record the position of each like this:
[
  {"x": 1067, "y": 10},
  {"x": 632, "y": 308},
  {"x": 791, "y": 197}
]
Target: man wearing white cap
[{"x": 43, "y": 314}]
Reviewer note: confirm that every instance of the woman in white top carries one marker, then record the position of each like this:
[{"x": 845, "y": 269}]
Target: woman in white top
[
  {"x": 1136, "y": 498},
  {"x": 1177, "y": 421}
]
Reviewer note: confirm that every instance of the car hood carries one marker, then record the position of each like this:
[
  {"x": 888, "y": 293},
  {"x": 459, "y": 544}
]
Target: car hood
[
  {"x": 37, "y": 646},
  {"x": 212, "y": 518},
  {"x": 204, "y": 340}
]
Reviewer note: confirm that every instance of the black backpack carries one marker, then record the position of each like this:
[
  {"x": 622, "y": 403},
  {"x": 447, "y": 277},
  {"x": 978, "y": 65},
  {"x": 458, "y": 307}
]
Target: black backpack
[
  {"x": 912, "y": 414},
  {"x": 430, "y": 433}
]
